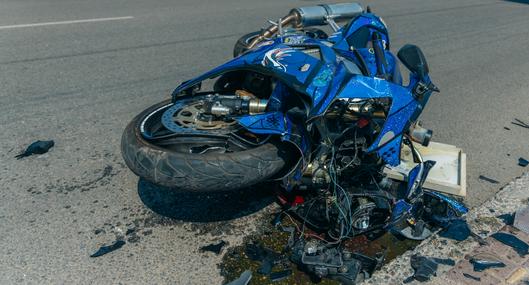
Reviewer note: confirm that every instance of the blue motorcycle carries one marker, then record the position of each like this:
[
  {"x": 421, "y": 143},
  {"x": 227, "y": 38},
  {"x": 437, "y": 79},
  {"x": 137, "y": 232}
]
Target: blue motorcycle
[{"x": 321, "y": 113}]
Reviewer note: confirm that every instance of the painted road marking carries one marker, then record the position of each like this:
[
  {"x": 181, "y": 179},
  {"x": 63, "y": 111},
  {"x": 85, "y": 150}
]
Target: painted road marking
[{"x": 65, "y": 22}]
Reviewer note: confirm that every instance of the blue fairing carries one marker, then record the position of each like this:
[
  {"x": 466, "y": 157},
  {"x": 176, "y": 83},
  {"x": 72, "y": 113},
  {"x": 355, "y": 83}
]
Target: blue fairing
[
  {"x": 332, "y": 75},
  {"x": 459, "y": 207}
]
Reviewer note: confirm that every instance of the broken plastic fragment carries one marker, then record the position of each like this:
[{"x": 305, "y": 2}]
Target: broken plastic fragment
[
  {"x": 425, "y": 267},
  {"x": 520, "y": 246},
  {"x": 471, "y": 277},
  {"x": 523, "y": 162},
  {"x": 243, "y": 279},
  {"x": 107, "y": 249},
  {"x": 38, "y": 147},
  {"x": 457, "y": 230},
  {"x": 280, "y": 275},
  {"x": 483, "y": 264},
  {"x": 266, "y": 256},
  {"x": 484, "y": 178},
  {"x": 215, "y": 248}
]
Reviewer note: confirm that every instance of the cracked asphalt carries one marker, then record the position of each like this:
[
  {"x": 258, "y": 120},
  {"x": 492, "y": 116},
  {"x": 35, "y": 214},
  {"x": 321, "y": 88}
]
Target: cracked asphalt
[{"x": 80, "y": 83}]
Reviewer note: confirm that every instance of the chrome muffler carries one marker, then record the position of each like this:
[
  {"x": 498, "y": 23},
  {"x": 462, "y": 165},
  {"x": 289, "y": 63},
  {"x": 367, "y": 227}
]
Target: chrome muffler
[{"x": 311, "y": 16}]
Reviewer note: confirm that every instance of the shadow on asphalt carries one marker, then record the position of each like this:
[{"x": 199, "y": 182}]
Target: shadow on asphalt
[{"x": 205, "y": 207}]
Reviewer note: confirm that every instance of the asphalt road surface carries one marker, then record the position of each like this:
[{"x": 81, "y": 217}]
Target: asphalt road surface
[{"x": 78, "y": 71}]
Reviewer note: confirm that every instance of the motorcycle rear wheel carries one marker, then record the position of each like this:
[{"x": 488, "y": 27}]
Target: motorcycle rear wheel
[{"x": 204, "y": 171}]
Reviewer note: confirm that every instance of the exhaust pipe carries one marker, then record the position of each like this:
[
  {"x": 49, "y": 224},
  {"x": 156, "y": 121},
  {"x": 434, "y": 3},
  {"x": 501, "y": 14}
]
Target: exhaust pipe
[
  {"x": 311, "y": 16},
  {"x": 317, "y": 15}
]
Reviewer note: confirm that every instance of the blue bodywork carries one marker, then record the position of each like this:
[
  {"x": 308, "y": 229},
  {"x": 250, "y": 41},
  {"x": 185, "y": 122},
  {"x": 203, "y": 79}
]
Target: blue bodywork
[
  {"x": 328, "y": 79},
  {"x": 332, "y": 75}
]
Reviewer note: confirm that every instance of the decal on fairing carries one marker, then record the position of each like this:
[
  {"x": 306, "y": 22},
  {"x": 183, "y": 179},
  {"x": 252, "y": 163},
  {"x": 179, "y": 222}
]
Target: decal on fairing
[
  {"x": 320, "y": 83},
  {"x": 323, "y": 78},
  {"x": 268, "y": 123},
  {"x": 294, "y": 40},
  {"x": 273, "y": 58}
]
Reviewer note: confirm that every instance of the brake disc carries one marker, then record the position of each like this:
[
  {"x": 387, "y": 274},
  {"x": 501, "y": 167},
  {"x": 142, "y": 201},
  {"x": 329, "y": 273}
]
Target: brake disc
[{"x": 189, "y": 118}]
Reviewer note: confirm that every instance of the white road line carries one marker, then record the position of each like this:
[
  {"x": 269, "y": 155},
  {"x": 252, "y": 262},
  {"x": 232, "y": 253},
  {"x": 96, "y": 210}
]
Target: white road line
[{"x": 65, "y": 22}]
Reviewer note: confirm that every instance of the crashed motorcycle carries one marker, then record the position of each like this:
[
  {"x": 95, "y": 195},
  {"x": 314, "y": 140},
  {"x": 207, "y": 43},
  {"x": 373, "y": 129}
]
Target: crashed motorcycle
[{"x": 322, "y": 114}]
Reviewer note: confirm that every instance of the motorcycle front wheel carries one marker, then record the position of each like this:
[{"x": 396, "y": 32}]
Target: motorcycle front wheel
[{"x": 186, "y": 161}]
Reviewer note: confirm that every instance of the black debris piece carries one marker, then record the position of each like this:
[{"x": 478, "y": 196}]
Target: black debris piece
[
  {"x": 484, "y": 178},
  {"x": 130, "y": 231},
  {"x": 214, "y": 247},
  {"x": 457, "y": 230},
  {"x": 508, "y": 219},
  {"x": 38, "y": 147},
  {"x": 520, "y": 246},
  {"x": 506, "y": 128},
  {"x": 472, "y": 277},
  {"x": 483, "y": 264},
  {"x": 266, "y": 256},
  {"x": 243, "y": 279},
  {"x": 266, "y": 266},
  {"x": 523, "y": 162},
  {"x": 109, "y": 248},
  {"x": 425, "y": 267},
  {"x": 280, "y": 275},
  {"x": 520, "y": 123}
]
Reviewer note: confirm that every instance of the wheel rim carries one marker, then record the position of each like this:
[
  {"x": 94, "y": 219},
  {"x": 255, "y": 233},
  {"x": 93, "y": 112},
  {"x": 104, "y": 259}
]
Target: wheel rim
[{"x": 191, "y": 134}]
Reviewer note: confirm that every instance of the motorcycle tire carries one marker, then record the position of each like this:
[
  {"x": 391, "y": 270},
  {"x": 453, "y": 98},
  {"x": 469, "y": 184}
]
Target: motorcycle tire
[
  {"x": 242, "y": 43},
  {"x": 203, "y": 172}
]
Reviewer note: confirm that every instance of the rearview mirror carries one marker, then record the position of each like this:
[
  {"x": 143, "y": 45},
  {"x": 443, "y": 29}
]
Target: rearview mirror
[{"x": 413, "y": 58}]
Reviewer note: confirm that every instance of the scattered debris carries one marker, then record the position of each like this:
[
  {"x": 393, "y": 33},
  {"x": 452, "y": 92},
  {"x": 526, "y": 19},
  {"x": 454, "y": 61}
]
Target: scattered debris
[
  {"x": 484, "y": 178},
  {"x": 518, "y": 245},
  {"x": 38, "y": 147},
  {"x": 523, "y": 162},
  {"x": 506, "y": 128},
  {"x": 520, "y": 123},
  {"x": 280, "y": 275},
  {"x": 244, "y": 279},
  {"x": 472, "y": 277},
  {"x": 425, "y": 267},
  {"x": 215, "y": 248},
  {"x": 481, "y": 264},
  {"x": 130, "y": 231},
  {"x": 110, "y": 248},
  {"x": 457, "y": 230},
  {"x": 521, "y": 220}
]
